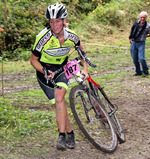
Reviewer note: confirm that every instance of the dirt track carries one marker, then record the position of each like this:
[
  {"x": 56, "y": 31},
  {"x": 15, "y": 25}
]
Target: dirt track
[
  {"x": 134, "y": 105},
  {"x": 135, "y": 118}
]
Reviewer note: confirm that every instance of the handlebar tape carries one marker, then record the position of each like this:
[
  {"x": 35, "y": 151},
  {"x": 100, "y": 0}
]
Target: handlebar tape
[{"x": 82, "y": 55}]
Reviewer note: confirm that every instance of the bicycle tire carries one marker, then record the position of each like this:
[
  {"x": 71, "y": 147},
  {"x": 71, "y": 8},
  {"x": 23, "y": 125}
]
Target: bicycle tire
[
  {"x": 109, "y": 108},
  {"x": 99, "y": 131}
]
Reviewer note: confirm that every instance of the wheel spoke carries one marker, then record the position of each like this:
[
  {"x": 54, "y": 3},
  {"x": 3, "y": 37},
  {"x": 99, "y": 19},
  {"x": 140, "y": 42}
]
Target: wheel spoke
[
  {"x": 113, "y": 115},
  {"x": 89, "y": 117}
]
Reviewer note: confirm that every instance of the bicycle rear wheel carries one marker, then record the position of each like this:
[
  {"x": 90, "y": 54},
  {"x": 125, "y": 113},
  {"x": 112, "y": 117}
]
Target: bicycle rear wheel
[
  {"x": 92, "y": 119},
  {"x": 113, "y": 113}
]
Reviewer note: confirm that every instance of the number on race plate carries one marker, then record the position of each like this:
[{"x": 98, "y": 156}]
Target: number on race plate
[{"x": 71, "y": 68}]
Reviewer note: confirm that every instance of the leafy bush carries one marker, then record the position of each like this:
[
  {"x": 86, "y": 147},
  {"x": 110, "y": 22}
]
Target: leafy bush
[
  {"x": 116, "y": 12},
  {"x": 108, "y": 14},
  {"x": 18, "y": 54},
  {"x": 132, "y": 12},
  {"x": 24, "y": 19}
]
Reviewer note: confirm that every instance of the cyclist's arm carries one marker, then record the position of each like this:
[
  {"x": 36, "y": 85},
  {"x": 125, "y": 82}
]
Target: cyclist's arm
[
  {"x": 84, "y": 63},
  {"x": 35, "y": 63}
]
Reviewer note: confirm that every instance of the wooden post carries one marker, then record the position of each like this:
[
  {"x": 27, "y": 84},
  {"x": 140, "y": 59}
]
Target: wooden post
[
  {"x": 4, "y": 44},
  {"x": 2, "y": 63}
]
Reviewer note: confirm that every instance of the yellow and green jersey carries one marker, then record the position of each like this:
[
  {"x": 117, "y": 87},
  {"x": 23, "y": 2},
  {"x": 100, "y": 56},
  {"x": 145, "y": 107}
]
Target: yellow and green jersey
[{"x": 48, "y": 47}]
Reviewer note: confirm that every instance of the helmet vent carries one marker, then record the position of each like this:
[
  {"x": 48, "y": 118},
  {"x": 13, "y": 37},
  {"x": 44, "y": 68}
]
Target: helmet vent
[{"x": 56, "y": 11}]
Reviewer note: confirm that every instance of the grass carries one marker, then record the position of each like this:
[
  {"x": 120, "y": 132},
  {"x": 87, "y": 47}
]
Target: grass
[
  {"x": 35, "y": 99},
  {"x": 16, "y": 66}
]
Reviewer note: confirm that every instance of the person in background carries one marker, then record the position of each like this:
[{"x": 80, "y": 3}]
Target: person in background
[
  {"x": 139, "y": 31},
  {"x": 50, "y": 50}
]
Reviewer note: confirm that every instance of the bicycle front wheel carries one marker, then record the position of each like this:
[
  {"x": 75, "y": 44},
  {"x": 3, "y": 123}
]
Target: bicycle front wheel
[
  {"x": 92, "y": 119},
  {"x": 113, "y": 113}
]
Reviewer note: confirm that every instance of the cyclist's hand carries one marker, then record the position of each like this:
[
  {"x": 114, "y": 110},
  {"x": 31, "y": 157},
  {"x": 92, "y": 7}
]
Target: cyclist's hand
[
  {"x": 50, "y": 74},
  {"x": 85, "y": 73}
]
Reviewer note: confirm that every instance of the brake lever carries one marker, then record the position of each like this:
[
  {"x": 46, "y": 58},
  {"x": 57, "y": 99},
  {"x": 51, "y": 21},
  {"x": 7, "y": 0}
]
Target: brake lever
[{"x": 46, "y": 74}]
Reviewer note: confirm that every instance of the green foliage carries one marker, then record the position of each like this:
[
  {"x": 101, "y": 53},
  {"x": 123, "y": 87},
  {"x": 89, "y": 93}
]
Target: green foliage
[
  {"x": 20, "y": 123},
  {"x": 115, "y": 12},
  {"x": 78, "y": 10},
  {"x": 131, "y": 13},
  {"x": 119, "y": 13},
  {"x": 21, "y": 22},
  {"x": 24, "y": 19},
  {"x": 86, "y": 6},
  {"x": 18, "y": 54}
]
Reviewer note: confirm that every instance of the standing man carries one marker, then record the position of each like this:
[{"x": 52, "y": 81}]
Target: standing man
[{"x": 139, "y": 31}]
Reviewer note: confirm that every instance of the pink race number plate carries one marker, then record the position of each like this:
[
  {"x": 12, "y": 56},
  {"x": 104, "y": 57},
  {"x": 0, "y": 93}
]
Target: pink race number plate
[{"x": 71, "y": 68}]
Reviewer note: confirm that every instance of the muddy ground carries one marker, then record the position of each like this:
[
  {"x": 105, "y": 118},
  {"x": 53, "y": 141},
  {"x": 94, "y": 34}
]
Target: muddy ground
[{"x": 134, "y": 103}]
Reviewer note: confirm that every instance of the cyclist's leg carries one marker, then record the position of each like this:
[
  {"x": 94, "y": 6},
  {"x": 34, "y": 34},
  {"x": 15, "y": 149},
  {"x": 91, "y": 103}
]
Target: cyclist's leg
[
  {"x": 48, "y": 89},
  {"x": 68, "y": 125},
  {"x": 61, "y": 111},
  {"x": 60, "y": 97}
]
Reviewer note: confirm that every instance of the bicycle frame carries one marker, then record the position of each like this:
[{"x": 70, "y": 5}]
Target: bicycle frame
[{"x": 92, "y": 85}]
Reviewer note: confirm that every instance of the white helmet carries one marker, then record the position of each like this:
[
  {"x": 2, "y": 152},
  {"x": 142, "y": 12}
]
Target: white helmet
[{"x": 56, "y": 11}]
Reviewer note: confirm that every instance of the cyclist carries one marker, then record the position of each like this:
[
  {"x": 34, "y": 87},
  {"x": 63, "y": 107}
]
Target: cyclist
[{"x": 50, "y": 50}]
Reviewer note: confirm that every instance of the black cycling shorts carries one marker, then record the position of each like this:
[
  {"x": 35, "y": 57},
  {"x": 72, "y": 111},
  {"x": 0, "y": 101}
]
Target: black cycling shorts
[{"x": 60, "y": 79}]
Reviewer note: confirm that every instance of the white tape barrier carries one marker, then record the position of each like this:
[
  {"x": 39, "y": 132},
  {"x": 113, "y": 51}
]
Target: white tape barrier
[
  {"x": 105, "y": 45},
  {"x": 148, "y": 48}
]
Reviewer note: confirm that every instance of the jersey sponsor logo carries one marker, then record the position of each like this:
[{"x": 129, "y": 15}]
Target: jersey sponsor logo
[
  {"x": 52, "y": 41},
  {"x": 73, "y": 37},
  {"x": 43, "y": 40},
  {"x": 58, "y": 60},
  {"x": 58, "y": 52}
]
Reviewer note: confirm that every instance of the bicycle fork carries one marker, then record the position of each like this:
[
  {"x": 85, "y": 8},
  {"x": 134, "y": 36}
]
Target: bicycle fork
[{"x": 85, "y": 105}]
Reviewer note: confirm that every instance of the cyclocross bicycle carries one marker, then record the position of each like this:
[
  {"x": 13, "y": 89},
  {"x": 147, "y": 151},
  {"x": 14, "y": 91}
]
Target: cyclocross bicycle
[{"x": 92, "y": 110}]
